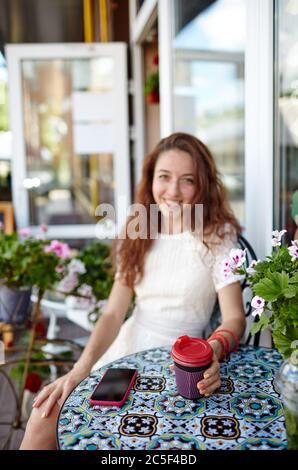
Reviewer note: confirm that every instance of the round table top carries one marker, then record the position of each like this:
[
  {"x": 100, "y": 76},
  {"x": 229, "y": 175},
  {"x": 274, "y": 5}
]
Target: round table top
[{"x": 245, "y": 413}]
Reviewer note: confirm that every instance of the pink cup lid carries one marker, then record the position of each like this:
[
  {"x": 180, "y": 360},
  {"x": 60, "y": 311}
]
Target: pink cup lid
[{"x": 192, "y": 352}]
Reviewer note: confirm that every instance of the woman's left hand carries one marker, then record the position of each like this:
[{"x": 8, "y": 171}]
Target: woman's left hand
[{"x": 211, "y": 381}]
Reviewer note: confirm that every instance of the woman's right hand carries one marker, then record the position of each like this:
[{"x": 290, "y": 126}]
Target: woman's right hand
[{"x": 58, "y": 390}]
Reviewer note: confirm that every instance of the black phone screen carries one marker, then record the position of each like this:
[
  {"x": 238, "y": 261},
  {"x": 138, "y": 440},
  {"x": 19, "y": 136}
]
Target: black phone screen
[{"x": 113, "y": 385}]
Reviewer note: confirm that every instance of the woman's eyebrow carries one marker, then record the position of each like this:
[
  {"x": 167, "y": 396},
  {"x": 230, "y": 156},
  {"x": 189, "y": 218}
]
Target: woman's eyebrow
[{"x": 185, "y": 174}]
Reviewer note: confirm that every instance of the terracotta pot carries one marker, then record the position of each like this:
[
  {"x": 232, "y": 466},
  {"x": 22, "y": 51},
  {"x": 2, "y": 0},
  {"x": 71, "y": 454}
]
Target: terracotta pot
[{"x": 153, "y": 97}]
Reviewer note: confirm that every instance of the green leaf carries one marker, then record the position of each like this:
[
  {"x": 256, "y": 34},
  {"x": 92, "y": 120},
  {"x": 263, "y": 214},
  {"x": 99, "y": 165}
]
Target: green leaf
[
  {"x": 272, "y": 287},
  {"x": 282, "y": 343},
  {"x": 260, "y": 325},
  {"x": 291, "y": 292},
  {"x": 294, "y": 279}
]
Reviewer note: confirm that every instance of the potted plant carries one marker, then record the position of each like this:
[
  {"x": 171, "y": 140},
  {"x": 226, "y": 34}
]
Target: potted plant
[
  {"x": 88, "y": 279},
  {"x": 28, "y": 262},
  {"x": 152, "y": 88},
  {"x": 274, "y": 283}
]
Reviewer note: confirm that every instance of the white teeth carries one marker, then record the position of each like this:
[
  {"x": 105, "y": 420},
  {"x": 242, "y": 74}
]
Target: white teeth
[{"x": 172, "y": 203}]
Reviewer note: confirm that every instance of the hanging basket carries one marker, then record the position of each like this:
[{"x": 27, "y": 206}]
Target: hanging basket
[{"x": 14, "y": 304}]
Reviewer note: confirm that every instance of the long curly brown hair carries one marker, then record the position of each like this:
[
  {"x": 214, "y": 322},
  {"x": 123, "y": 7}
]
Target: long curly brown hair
[{"x": 217, "y": 214}]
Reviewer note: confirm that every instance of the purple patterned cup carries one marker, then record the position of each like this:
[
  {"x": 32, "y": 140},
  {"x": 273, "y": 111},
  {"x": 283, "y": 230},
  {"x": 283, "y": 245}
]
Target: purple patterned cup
[{"x": 192, "y": 356}]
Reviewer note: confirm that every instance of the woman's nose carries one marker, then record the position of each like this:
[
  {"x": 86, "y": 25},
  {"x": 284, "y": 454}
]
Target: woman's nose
[{"x": 174, "y": 188}]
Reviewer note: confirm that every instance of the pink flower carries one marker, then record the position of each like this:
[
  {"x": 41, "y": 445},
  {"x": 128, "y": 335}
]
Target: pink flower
[
  {"x": 44, "y": 228},
  {"x": 258, "y": 303},
  {"x": 59, "y": 269},
  {"x": 237, "y": 257},
  {"x": 24, "y": 232},
  {"x": 39, "y": 236},
  {"x": 62, "y": 250},
  {"x": 293, "y": 250}
]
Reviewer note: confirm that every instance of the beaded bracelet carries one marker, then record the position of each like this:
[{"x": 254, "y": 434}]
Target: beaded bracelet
[
  {"x": 224, "y": 342},
  {"x": 234, "y": 336}
]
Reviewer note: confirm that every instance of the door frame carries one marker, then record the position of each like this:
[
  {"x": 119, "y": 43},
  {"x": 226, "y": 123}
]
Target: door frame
[{"x": 15, "y": 53}]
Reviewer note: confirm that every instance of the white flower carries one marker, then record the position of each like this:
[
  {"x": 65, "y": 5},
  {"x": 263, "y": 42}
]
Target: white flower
[
  {"x": 293, "y": 250},
  {"x": 68, "y": 283},
  {"x": 258, "y": 303},
  {"x": 76, "y": 266},
  {"x": 237, "y": 257},
  {"x": 252, "y": 265},
  {"x": 276, "y": 240}
]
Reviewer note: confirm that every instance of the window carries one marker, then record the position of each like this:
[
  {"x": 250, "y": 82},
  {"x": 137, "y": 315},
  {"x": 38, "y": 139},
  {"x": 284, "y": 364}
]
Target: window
[
  {"x": 286, "y": 117},
  {"x": 208, "y": 84}
]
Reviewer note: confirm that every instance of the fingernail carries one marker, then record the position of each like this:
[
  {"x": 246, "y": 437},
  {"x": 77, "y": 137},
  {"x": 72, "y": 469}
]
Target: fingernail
[
  {"x": 206, "y": 376},
  {"x": 44, "y": 415},
  {"x": 207, "y": 394}
]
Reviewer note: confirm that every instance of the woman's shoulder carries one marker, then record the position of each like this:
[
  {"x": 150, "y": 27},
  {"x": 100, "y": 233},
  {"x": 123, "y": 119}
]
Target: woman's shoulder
[{"x": 219, "y": 243}]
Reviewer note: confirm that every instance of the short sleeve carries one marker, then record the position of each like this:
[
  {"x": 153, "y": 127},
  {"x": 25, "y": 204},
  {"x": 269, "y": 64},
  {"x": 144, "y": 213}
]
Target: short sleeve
[{"x": 220, "y": 253}]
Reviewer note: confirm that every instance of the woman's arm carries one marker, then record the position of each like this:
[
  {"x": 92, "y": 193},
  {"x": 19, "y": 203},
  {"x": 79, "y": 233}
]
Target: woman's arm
[
  {"x": 104, "y": 333},
  {"x": 233, "y": 318},
  {"x": 107, "y": 327}
]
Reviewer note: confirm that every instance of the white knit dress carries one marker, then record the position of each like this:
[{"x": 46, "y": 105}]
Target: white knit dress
[{"x": 175, "y": 297}]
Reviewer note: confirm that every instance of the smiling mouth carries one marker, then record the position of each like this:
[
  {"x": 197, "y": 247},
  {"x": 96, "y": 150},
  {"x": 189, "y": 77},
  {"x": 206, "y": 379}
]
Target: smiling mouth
[{"x": 172, "y": 204}]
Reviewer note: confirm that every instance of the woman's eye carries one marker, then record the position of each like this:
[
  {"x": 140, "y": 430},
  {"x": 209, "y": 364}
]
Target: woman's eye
[
  {"x": 189, "y": 180},
  {"x": 163, "y": 177}
]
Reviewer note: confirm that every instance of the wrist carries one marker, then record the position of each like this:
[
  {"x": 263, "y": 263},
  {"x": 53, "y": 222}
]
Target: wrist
[
  {"x": 217, "y": 347},
  {"x": 82, "y": 369}
]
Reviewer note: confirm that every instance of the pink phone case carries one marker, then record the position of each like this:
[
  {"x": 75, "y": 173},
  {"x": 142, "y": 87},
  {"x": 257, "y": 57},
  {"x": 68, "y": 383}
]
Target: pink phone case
[{"x": 114, "y": 403}]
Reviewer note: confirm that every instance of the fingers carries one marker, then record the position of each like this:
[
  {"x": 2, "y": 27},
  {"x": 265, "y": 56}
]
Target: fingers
[
  {"x": 43, "y": 395},
  {"x": 211, "y": 381},
  {"x": 49, "y": 394},
  {"x": 51, "y": 402},
  {"x": 171, "y": 367},
  {"x": 213, "y": 369},
  {"x": 208, "y": 388},
  {"x": 63, "y": 397}
]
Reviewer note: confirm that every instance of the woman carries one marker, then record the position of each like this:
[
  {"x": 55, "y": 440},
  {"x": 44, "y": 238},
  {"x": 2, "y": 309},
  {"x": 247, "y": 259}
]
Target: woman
[{"x": 174, "y": 272}]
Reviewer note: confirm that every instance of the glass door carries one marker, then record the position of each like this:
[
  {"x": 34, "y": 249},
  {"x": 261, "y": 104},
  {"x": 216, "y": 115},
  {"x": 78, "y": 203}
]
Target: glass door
[{"x": 70, "y": 134}]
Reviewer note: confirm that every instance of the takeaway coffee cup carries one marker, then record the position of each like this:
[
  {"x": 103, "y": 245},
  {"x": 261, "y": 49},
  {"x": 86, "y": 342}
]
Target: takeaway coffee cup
[{"x": 192, "y": 356}]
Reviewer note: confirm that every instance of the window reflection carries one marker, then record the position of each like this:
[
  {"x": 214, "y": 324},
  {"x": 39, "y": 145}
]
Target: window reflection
[
  {"x": 286, "y": 117},
  {"x": 208, "y": 55},
  {"x": 68, "y": 137}
]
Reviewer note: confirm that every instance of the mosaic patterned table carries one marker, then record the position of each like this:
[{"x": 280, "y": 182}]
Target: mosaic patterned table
[{"x": 245, "y": 413}]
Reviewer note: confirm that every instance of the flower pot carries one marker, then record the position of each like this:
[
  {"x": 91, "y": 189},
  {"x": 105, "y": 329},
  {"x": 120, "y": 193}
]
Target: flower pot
[
  {"x": 286, "y": 383},
  {"x": 14, "y": 304},
  {"x": 153, "y": 97}
]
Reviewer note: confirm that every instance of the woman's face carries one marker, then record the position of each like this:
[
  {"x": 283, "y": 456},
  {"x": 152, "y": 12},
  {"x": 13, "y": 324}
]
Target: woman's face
[{"x": 173, "y": 181}]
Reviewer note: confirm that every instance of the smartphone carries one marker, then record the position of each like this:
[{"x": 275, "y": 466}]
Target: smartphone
[{"x": 114, "y": 387}]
